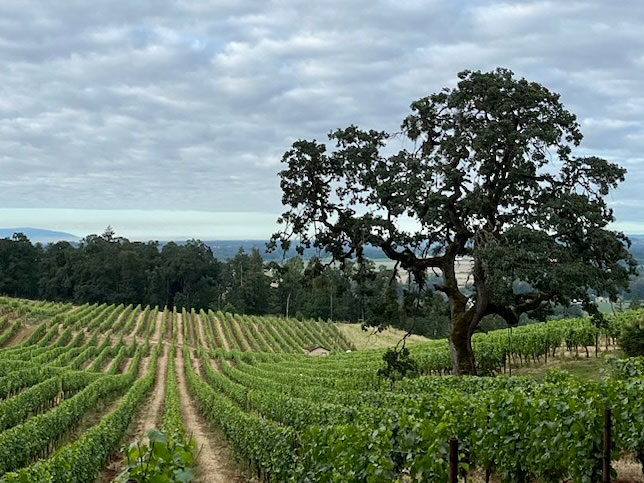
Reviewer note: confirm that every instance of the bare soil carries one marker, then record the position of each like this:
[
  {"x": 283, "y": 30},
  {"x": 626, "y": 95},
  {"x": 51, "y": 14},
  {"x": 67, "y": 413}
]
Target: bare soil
[
  {"x": 116, "y": 461},
  {"x": 260, "y": 334},
  {"x": 202, "y": 331},
  {"x": 243, "y": 341},
  {"x": 23, "y": 334},
  {"x": 221, "y": 334},
  {"x": 139, "y": 320},
  {"x": 215, "y": 463},
  {"x": 157, "y": 328},
  {"x": 154, "y": 406}
]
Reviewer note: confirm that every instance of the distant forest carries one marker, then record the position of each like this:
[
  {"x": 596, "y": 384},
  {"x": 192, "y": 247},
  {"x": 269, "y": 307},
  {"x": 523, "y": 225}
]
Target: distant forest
[{"x": 110, "y": 269}]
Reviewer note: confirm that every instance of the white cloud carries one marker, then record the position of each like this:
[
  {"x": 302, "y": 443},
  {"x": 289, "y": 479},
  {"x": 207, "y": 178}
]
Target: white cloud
[
  {"x": 190, "y": 105},
  {"x": 146, "y": 224}
]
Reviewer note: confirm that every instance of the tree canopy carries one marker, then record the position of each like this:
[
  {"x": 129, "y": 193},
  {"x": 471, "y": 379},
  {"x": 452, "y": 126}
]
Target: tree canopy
[
  {"x": 107, "y": 268},
  {"x": 487, "y": 170}
]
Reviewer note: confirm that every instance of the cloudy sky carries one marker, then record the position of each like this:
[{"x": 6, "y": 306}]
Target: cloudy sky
[{"x": 168, "y": 118}]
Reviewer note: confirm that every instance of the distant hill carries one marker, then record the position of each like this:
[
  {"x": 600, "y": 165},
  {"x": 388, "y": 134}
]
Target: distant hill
[
  {"x": 226, "y": 249},
  {"x": 637, "y": 247},
  {"x": 39, "y": 235}
]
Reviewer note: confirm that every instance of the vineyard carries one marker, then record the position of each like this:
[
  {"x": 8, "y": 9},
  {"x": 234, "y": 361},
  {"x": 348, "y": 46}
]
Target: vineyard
[{"x": 243, "y": 397}]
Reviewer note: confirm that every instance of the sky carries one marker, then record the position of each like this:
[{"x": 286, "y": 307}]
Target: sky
[{"x": 168, "y": 119}]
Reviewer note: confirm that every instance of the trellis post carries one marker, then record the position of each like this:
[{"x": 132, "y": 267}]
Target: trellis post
[
  {"x": 453, "y": 460},
  {"x": 607, "y": 446}
]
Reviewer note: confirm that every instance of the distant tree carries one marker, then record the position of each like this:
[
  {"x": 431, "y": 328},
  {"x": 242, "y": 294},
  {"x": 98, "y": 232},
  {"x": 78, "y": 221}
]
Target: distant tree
[
  {"x": 636, "y": 289},
  {"x": 287, "y": 280},
  {"x": 96, "y": 273},
  {"x": 488, "y": 173},
  {"x": 247, "y": 283},
  {"x": 19, "y": 266},
  {"x": 631, "y": 340},
  {"x": 426, "y": 312},
  {"x": 398, "y": 364},
  {"x": 194, "y": 272},
  {"x": 57, "y": 272}
]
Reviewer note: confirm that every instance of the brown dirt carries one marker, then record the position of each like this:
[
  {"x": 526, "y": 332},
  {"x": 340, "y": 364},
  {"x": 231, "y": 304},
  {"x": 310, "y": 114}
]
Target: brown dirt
[
  {"x": 202, "y": 331},
  {"x": 222, "y": 336},
  {"x": 125, "y": 365},
  {"x": 118, "y": 320},
  {"x": 116, "y": 462},
  {"x": 137, "y": 324},
  {"x": 157, "y": 328},
  {"x": 107, "y": 363},
  {"x": 196, "y": 364},
  {"x": 243, "y": 340},
  {"x": 143, "y": 366},
  {"x": 23, "y": 334},
  {"x": 88, "y": 420},
  {"x": 154, "y": 405},
  {"x": 216, "y": 365},
  {"x": 215, "y": 463},
  {"x": 260, "y": 334}
]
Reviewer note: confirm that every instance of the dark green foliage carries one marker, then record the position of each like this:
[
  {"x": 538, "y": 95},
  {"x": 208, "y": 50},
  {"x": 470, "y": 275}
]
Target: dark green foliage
[
  {"x": 248, "y": 286},
  {"x": 490, "y": 175},
  {"x": 398, "y": 365},
  {"x": 631, "y": 339},
  {"x": 19, "y": 264},
  {"x": 111, "y": 269}
]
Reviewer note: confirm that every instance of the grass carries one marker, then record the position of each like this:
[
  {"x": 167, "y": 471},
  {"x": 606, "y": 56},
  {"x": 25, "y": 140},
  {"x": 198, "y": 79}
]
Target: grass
[
  {"x": 608, "y": 308},
  {"x": 590, "y": 369},
  {"x": 369, "y": 340}
]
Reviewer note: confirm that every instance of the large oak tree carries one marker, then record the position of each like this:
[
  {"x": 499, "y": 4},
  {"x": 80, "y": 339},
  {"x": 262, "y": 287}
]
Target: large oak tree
[{"x": 486, "y": 171}]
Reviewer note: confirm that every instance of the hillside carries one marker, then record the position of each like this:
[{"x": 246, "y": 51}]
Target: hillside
[
  {"x": 637, "y": 247},
  {"x": 371, "y": 339},
  {"x": 77, "y": 382},
  {"x": 39, "y": 235}
]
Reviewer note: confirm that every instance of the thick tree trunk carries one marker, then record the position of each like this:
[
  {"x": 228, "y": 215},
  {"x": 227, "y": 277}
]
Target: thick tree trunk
[{"x": 460, "y": 343}]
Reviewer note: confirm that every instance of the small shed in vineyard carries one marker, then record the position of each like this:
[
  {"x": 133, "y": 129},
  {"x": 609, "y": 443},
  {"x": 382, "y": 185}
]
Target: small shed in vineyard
[{"x": 316, "y": 350}]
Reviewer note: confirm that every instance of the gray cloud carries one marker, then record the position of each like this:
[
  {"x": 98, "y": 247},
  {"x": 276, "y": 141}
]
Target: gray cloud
[{"x": 190, "y": 104}]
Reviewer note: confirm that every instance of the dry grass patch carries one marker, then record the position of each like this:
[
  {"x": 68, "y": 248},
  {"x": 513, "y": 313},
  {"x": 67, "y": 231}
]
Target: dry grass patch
[{"x": 370, "y": 339}]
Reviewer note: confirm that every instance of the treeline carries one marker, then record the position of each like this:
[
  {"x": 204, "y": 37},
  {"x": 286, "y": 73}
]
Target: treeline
[{"x": 110, "y": 269}]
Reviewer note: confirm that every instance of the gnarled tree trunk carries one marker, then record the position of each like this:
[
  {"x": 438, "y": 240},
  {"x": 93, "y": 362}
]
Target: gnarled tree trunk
[{"x": 460, "y": 345}]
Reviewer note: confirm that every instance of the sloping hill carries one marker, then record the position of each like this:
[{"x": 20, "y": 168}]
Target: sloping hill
[
  {"x": 371, "y": 339},
  {"x": 39, "y": 235}
]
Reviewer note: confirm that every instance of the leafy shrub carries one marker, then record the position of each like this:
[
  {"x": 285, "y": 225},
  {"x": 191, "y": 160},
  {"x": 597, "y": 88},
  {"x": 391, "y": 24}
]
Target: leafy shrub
[
  {"x": 631, "y": 339},
  {"x": 398, "y": 365},
  {"x": 167, "y": 458}
]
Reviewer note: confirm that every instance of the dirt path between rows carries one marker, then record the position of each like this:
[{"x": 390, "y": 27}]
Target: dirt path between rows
[
  {"x": 214, "y": 462},
  {"x": 244, "y": 343},
  {"x": 116, "y": 462},
  {"x": 202, "y": 332},
  {"x": 260, "y": 334},
  {"x": 222, "y": 335},
  {"x": 154, "y": 405},
  {"x": 139, "y": 320},
  {"x": 22, "y": 335},
  {"x": 157, "y": 328}
]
